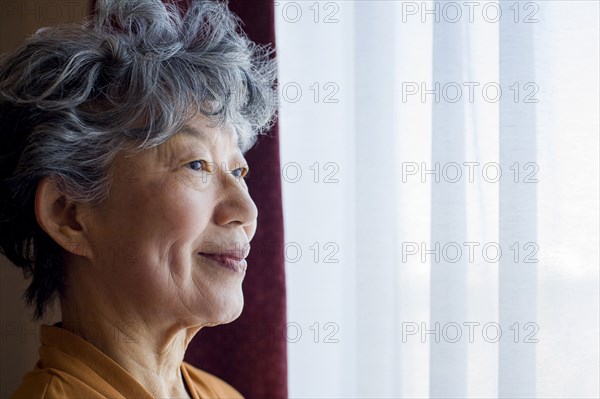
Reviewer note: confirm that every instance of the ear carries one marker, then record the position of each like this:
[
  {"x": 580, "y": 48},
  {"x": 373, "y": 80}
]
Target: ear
[{"x": 63, "y": 219}]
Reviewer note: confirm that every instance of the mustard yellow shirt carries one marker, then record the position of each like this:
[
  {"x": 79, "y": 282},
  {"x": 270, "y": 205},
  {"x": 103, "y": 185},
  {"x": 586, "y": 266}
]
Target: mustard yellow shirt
[{"x": 71, "y": 367}]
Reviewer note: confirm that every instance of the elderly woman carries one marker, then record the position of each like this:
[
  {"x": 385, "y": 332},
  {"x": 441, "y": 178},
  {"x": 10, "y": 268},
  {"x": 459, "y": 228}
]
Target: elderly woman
[{"x": 122, "y": 191}]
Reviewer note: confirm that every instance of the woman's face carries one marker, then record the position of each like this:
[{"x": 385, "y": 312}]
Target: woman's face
[{"x": 167, "y": 206}]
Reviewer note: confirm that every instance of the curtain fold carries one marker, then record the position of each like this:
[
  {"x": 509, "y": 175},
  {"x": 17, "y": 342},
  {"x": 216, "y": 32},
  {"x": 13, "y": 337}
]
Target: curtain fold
[{"x": 517, "y": 280}]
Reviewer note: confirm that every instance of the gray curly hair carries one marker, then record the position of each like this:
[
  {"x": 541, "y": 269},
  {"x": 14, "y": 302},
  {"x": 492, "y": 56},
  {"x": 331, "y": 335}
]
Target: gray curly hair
[{"x": 72, "y": 97}]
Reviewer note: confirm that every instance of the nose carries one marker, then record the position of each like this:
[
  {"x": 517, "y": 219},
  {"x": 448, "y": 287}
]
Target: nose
[{"x": 235, "y": 206}]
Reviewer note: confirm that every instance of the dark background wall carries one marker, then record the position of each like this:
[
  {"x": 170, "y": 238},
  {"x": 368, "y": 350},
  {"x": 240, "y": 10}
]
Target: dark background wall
[{"x": 19, "y": 339}]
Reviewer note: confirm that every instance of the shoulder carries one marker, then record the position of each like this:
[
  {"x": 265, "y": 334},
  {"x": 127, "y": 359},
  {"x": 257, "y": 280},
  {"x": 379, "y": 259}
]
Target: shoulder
[
  {"x": 210, "y": 385},
  {"x": 50, "y": 384}
]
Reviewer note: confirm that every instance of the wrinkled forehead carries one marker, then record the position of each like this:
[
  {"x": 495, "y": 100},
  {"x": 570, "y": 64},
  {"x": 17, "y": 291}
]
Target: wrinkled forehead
[
  {"x": 219, "y": 135},
  {"x": 199, "y": 133},
  {"x": 220, "y": 138},
  {"x": 222, "y": 141}
]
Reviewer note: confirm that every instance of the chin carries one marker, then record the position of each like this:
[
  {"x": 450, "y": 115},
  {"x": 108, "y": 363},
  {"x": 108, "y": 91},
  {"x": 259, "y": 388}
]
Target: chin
[
  {"x": 234, "y": 315},
  {"x": 228, "y": 310}
]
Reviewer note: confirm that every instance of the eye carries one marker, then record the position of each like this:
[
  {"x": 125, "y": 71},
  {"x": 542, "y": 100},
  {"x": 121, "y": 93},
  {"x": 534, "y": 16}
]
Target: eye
[
  {"x": 240, "y": 172},
  {"x": 199, "y": 164}
]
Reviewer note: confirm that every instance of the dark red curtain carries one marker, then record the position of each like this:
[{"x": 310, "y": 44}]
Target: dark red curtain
[{"x": 251, "y": 352}]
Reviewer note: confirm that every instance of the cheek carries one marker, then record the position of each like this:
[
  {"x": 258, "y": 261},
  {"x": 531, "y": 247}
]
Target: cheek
[
  {"x": 150, "y": 224},
  {"x": 180, "y": 206}
]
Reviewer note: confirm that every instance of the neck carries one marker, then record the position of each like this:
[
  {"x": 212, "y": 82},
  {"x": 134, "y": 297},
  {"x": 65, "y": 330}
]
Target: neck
[{"x": 148, "y": 350}]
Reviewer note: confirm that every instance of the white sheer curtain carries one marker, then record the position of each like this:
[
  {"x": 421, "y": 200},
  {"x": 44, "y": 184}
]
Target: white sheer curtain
[{"x": 440, "y": 169}]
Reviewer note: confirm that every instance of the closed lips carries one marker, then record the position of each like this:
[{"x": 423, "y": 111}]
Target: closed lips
[
  {"x": 224, "y": 257},
  {"x": 233, "y": 260},
  {"x": 238, "y": 254}
]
